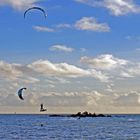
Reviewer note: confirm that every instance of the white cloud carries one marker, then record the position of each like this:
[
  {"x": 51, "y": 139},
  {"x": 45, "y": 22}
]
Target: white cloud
[
  {"x": 63, "y": 26},
  {"x": 50, "y": 99},
  {"x": 16, "y": 72},
  {"x": 121, "y": 7},
  {"x": 13, "y": 100},
  {"x": 30, "y": 73},
  {"x": 9, "y": 71},
  {"x": 71, "y": 99},
  {"x": 61, "y": 48},
  {"x": 104, "y": 62},
  {"x": 61, "y": 80},
  {"x": 91, "y": 24},
  {"x": 29, "y": 80},
  {"x": 126, "y": 74},
  {"x": 87, "y": 24},
  {"x": 82, "y": 100},
  {"x": 116, "y": 7},
  {"x": 110, "y": 88},
  {"x": 129, "y": 99},
  {"x": 65, "y": 70},
  {"x": 43, "y": 29},
  {"x": 19, "y": 4},
  {"x": 133, "y": 70}
]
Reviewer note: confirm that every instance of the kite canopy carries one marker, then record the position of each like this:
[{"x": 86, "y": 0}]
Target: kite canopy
[
  {"x": 35, "y": 8},
  {"x": 20, "y": 91}
]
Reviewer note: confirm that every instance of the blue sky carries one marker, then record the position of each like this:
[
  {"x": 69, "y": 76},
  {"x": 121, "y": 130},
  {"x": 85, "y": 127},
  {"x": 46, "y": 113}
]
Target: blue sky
[
  {"x": 96, "y": 42},
  {"x": 23, "y": 39}
]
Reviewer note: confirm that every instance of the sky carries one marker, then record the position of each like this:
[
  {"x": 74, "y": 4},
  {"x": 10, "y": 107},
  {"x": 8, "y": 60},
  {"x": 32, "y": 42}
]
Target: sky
[{"x": 83, "y": 57}]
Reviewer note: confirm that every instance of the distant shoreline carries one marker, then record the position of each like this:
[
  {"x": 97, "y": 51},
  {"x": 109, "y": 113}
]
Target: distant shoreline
[{"x": 63, "y": 114}]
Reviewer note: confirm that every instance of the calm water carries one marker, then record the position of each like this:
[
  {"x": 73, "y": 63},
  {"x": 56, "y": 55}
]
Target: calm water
[{"x": 28, "y": 127}]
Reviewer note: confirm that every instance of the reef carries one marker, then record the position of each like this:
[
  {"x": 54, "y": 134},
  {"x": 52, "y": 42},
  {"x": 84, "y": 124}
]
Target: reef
[
  {"x": 80, "y": 115},
  {"x": 88, "y": 114}
]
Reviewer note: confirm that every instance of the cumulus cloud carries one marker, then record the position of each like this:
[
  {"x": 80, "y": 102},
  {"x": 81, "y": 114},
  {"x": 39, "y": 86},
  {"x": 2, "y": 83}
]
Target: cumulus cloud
[
  {"x": 115, "y": 68},
  {"x": 91, "y": 24},
  {"x": 19, "y": 4},
  {"x": 86, "y": 24},
  {"x": 9, "y": 71},
  {"x": 80, "y": 100},
  {"x": 72, "y": 99},
  {"x": 43, "y": 29},
  {"x": 104, "y": 62},
  {"x": 129, "y": 99},
  {"x": 116, "y": 7},
  {"x": 30, "y": 73},
  {"x": 52, "y": 99},
  {"x": 57, "y": 75},
  {"x": 132, "y": 71},
  {"x": 13, "y": 100},
  {"x": 65, "y": 70},
  {"x": 61, "y": 80},
  {"x": 121, "y": 7},
  {"x": 110, "y": 88},
  {"x": 135, "y": 71},
  {"x": 16, "y": 72},
  {"x": 62, "y": 48},
  {"x": 126, "y": 74}
]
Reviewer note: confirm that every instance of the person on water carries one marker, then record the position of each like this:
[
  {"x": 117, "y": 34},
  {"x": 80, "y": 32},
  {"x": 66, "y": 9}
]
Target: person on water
[{"x": 41, "y": 108}]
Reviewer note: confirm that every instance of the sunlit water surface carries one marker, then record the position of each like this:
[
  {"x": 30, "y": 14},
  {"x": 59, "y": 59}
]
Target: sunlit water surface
[{"x": 43, "y": 127}]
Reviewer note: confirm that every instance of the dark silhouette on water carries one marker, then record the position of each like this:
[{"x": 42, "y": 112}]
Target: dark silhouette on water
[
  {"x": 42, "y": 109},
  {"x": 88, "y": 114},
  {"x": 80, "y": 115},
  {"x": 41, "y": 125}
]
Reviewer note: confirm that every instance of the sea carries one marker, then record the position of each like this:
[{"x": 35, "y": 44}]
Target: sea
[{"x": 44, "y": 127}]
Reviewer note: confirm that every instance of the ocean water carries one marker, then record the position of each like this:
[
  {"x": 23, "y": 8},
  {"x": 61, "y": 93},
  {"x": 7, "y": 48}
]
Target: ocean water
[{"x": 43, "y": 127}]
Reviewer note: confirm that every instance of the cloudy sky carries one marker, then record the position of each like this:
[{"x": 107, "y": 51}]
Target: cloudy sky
[{"x": 83, "y": 56}]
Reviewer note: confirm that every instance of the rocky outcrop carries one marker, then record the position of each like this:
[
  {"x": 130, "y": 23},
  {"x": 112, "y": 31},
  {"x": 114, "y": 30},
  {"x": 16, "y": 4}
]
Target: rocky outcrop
[
  {"x": 87, "y": 114},
  {"x": 79, "y": 115}
]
